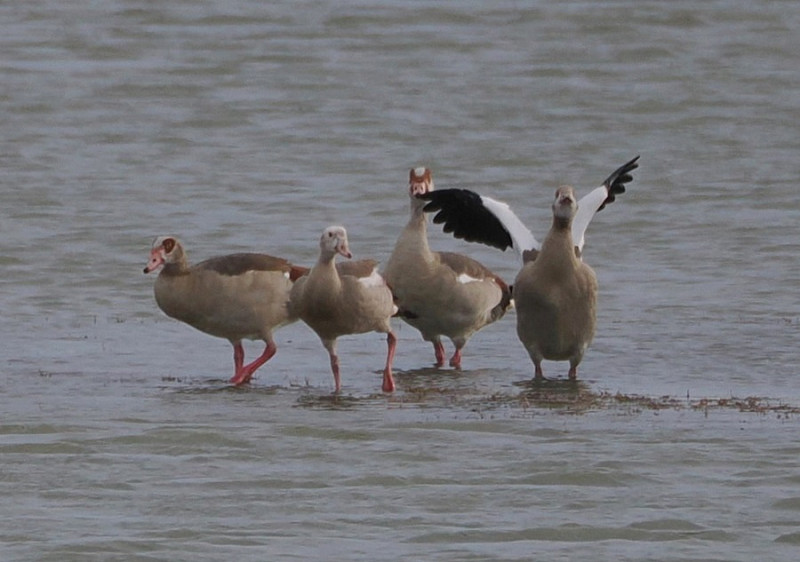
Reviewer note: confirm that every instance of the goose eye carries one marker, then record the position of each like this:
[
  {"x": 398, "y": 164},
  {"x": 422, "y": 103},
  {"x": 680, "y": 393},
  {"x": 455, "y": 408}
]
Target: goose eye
[{"x": 169, "y": 245}]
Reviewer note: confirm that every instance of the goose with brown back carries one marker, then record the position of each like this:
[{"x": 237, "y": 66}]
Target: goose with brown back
[
  {"x": 555, "y": 293},
  {"x": 346, "y": 298},
  {"x": 236, "y": 297},
  {"x": 441, "y": 293}
]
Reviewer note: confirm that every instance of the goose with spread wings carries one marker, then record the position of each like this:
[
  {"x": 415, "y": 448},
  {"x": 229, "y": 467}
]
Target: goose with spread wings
[
  {"x": 555, "y": 292},
  {"x": 441, "y": 294}
]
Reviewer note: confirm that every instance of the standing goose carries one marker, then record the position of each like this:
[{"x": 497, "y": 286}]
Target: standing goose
[
  {"x": 346, "y": 298},
  {"x": 236, "y": 297},
  {"x": 555, "y": 293},
  {"x": 441, "y": 293}
]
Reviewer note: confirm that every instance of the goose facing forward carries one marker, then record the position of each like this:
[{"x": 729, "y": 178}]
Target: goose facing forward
[
  {"x": 236, "y": 297},
  {"x": 555, "y": 293},
  {"x": 441, "y": 293},
  {"x": 346, "y": 298}
]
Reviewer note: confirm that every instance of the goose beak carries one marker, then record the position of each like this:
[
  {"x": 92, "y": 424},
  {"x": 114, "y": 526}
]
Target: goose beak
[
  {"x": 418, "y": 188},
  {"x": 343, "y": 249},
  {"x": 420, "y": 181},
  {"x": 156, "y": 261}
]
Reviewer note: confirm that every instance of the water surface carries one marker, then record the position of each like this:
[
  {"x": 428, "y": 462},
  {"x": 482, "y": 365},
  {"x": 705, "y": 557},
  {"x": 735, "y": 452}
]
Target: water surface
[{"x": 250, "y": 126}]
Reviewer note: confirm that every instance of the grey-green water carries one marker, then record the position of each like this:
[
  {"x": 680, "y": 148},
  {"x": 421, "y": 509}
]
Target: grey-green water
[{"x": 250, "y": 126}]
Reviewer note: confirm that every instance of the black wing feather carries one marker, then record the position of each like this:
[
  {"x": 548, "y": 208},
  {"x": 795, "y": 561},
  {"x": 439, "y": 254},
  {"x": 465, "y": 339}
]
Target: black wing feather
[
  {"x": 615, "y": 183},
  {"x": 463, "y": 214}
]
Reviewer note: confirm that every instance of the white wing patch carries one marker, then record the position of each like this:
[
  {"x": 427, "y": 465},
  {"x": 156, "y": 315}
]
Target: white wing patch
[
  {"x": 464, "y": 279},
  {"x": 521, "y": 237},
  {"x": 374, "y": 280},
  {"x": 587, "y": 207}
]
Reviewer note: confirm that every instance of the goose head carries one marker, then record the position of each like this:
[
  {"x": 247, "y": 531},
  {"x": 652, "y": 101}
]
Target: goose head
[
  {"x": 565, "y": 205},
  {"x": 334, "y": 241},
  {"x": 166, "y": 250},
  {"x": 420, "y": 181}
]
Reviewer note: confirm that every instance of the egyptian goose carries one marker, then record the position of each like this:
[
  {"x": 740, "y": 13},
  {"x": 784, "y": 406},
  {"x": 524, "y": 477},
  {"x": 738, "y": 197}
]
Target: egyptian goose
[
  {"x": 555, "y": 293},
  {"x": 346, "y": 298},
  {"x": 234, "y": 297},
  {"x": 441, "y": 293}
]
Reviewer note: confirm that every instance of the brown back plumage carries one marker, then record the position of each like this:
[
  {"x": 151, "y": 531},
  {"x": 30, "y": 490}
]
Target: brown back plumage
[{"x": 237, "y": 264}]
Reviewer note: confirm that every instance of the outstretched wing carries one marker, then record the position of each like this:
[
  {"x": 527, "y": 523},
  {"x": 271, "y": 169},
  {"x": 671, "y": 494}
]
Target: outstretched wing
[
  {"x": 476, "y": 218},
  {"x": 598, "y": 198}
]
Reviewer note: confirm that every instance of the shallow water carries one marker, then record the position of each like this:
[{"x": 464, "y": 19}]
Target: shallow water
[{"x": 249, "y": 127}]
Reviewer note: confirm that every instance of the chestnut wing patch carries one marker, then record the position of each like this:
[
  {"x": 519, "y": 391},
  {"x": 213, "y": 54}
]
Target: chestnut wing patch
[
  {"x": 237, "y": 264},
  {"x": 463, "y": 265}
]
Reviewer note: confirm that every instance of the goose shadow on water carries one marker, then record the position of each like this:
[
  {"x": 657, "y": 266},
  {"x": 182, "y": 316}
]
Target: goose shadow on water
[
  {"x": 307, "y": 395},
  {"x": 560, "y": 386},
  {"x": 409, "y": 384},
  {"x": 438, "y": 380},
  {"x": 426, "y": 385},
  {"x": 331, "y": 401},
  {"x": 556, "y": 393},
  {"x": 215, "y": 385},
  {"x": 423, "y": 375}
]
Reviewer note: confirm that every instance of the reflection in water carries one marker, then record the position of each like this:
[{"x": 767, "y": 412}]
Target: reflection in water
[
  {"x": 574, "y": 395},
  {"x": 332, "y": 401}
]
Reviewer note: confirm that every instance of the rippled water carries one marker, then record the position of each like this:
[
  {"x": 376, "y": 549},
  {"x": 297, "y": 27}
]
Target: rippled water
[{"x": 247, "y": 126}]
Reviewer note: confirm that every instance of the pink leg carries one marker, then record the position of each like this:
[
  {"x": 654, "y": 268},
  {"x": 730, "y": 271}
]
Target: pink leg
[
  {"x": 438, "y": 350},
  {"x": 573, "y": 372},
  {"x": 388, "y": 380},
  {"x": 238, "y": 356},
  {"x": 337, "y": 380},
  {"x": 455, "y": 360},
  {"x": 245, "y": 372},
  {"x": 538, "y": 373},
  {"x": 330, "y": 345},
  {"x": 269, "y": 351}
]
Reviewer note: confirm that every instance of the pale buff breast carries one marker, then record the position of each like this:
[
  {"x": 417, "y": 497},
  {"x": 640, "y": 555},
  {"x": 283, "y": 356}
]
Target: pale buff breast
[
  {"x": 556, "y": 313},
  {"x": 246, "y": 305}
]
